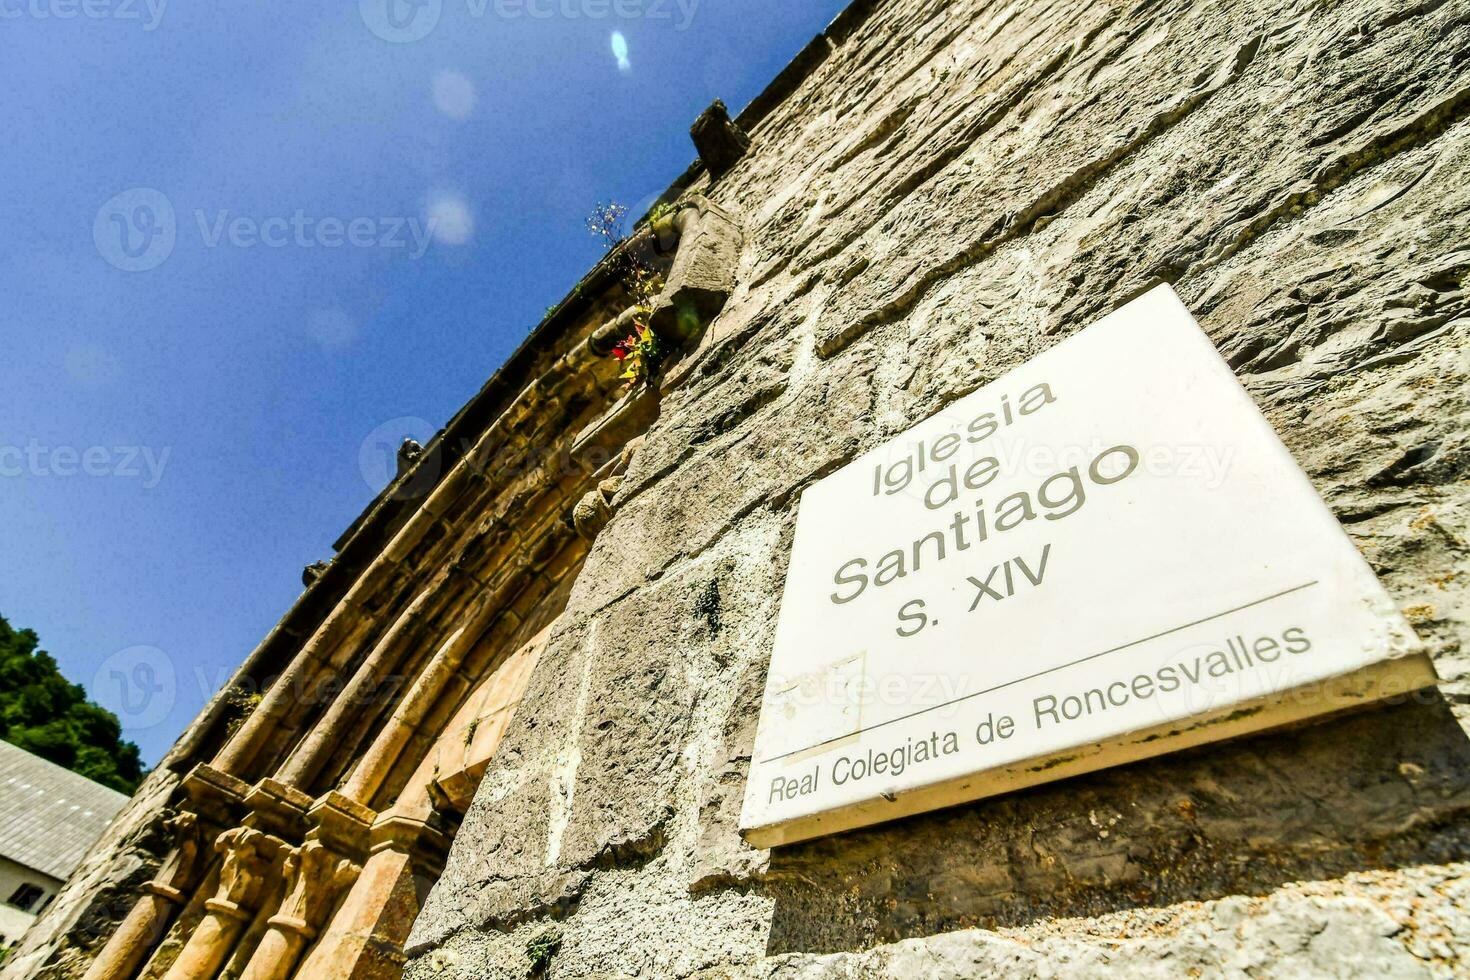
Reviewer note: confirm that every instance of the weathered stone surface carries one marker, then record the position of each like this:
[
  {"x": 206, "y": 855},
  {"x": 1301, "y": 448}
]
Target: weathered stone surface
[
  {"x": 759, "y": 462},
  {"x": 721, "y": 857},
  {"x": 558, "y": 795},
  {"x": 955, "y": 186},
  {"x": 1295, "y": 933}
]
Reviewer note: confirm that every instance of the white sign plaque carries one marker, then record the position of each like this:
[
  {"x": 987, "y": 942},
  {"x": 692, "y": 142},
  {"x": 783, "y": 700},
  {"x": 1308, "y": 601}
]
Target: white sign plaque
[{"x": 1105, "y": 555}]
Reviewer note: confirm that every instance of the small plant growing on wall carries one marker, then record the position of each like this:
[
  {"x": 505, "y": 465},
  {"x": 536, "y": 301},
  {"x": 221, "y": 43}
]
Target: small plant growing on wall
[
  {"x": 239, "y": 705},
  {"x": 607, "y": 223},
  {"x": 541, "y": 949},
  {"x": 639, "y": 353}
]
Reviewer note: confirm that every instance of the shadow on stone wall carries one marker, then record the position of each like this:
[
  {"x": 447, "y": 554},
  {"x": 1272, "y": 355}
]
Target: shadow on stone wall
[{"x": 1389, "y": 787}]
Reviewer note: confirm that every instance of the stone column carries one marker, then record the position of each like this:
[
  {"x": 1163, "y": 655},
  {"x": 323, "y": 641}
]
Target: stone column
[
  {"x": 281, "y": 700},
  {"x": 314, "y": 877},
  {"x": 249, "y": 857},
  {"x": 377, "y": 763},
  {"x": 148, "y": 919},
  {"x": 365, "y": 938},
  {"x": 326, "y": 735},
  {"x": 338, "y": 633}
]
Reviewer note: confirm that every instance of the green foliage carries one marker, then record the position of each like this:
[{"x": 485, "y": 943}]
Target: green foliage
[
  {"x": 47, "y": 715},
  {"x": 239, "y": 705},
  {"x": 639, "y": 353},
  {"x": 540, "y": 950}
]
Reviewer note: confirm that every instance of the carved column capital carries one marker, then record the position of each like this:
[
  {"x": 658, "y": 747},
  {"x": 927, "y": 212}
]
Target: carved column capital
[
  {"x": 181, "y": 871},
  {"x": 249, "y": 856},
  {"x": 315, "y": 875}
]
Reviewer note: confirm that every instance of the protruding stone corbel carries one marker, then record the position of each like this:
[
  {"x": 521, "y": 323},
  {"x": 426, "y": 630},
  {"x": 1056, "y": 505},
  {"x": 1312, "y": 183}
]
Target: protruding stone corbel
[
  {"x": 594, "y": 510},
  {"x": 720, "y": 142},
  {"x": 314, "y": 571},
  {"x": 703, "y": 274},
  {"x": 408, "y": 454}
]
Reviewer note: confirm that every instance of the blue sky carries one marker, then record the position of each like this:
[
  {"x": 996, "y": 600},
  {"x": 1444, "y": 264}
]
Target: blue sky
[{"x": 252, "y": 245}]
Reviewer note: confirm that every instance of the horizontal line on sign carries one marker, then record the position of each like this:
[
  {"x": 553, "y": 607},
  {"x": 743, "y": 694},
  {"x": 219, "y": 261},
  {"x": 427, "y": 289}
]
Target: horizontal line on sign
[{"x": 1041, "y": 673}]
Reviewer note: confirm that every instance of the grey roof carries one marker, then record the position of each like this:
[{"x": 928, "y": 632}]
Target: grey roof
[{"x": 49, "y": 816}]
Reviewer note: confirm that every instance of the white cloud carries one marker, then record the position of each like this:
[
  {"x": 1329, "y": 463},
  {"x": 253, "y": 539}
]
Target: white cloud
[
  {"x": 332, "y": 328},
  {"x": 450, "y": 219},
  {"x": 454, "y": 94}
]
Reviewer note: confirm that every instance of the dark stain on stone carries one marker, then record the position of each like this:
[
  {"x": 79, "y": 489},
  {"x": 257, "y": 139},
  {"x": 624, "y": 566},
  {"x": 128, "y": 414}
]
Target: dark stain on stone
[{"x": 707, "y": 605}]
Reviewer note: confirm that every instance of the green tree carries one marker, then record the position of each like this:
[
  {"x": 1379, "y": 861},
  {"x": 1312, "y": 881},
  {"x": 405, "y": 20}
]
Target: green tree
[{"x": 45, "y": 714}]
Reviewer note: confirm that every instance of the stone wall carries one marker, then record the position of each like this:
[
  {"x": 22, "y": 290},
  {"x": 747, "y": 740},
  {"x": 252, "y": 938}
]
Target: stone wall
[{"x": 937, "y": 191}]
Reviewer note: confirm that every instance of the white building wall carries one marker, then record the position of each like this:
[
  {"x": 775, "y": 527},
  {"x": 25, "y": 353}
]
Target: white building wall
[{"x": 14, "y": 921}]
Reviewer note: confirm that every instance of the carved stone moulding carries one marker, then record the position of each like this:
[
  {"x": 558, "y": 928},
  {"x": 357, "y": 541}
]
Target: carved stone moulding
[
  {"x": 278, "y": 809},
  {"x": 342, "y": 824},
  {"x": 217, "y": 797},
  {"x": 602, "y": 442}
]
